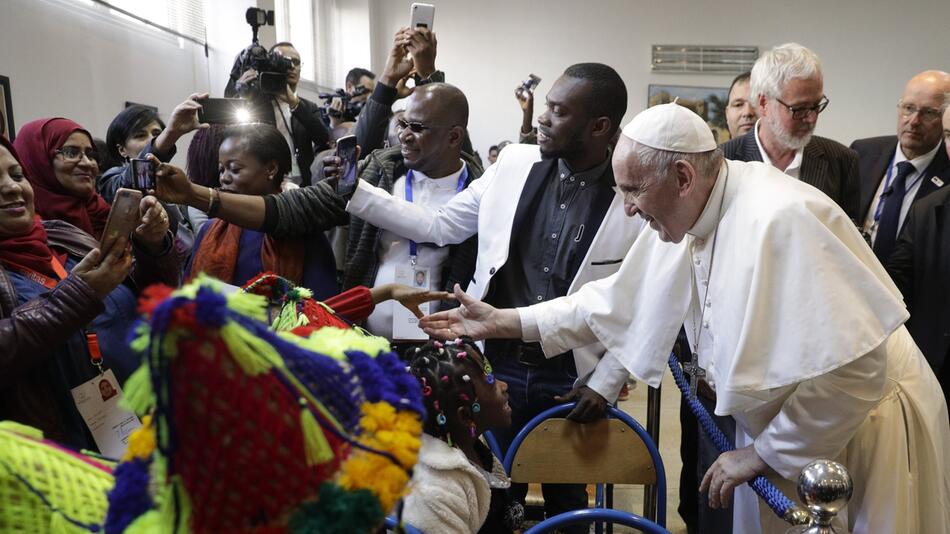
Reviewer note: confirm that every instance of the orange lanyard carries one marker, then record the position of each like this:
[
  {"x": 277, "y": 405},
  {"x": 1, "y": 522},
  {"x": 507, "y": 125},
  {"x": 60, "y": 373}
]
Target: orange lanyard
[
  {"x": 92, "y": 340},
  {"x": 40, "y": 278}
]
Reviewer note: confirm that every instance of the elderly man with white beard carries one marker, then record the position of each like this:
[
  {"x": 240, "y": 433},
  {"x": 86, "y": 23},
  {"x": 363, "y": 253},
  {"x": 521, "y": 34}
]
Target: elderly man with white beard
[
  {"x": 797, "y": 326},
  {"x": 788, "y": 93}
]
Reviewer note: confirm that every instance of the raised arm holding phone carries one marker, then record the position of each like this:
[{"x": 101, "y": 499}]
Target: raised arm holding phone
[{"x": 412, "y": 56}]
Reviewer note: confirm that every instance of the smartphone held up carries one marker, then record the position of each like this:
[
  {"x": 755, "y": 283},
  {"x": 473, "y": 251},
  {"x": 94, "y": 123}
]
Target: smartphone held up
[
  {"x": 528, "y": 86},
  {"x": 143, "y": 175},
  {"x": 346, "y": 150},
  {"x": 421, "y": 16}
]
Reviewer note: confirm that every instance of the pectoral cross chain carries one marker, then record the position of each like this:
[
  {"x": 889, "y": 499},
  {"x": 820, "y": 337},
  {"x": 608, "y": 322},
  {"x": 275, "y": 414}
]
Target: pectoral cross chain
[{"x": 696, "y": 373}]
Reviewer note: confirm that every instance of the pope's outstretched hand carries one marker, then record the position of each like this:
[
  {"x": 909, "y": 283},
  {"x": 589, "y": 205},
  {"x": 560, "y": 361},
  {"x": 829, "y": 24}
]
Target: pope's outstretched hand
[{"x": 472, "y": 318}]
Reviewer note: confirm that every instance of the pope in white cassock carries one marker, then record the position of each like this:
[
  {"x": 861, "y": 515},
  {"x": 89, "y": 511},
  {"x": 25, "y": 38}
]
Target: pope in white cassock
[{"x": 796, "y": 324}]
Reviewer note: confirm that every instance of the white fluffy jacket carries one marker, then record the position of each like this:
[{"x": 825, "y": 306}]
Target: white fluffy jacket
[{"x": 448, "y": 494}]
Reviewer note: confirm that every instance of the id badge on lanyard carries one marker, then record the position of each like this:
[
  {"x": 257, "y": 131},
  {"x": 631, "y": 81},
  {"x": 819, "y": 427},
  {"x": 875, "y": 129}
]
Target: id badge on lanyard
[{"x": 405, "y": 324}]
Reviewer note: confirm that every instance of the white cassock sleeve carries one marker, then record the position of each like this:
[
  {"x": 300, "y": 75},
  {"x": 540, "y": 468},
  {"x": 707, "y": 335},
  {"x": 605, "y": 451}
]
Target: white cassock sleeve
[
  {"x": 451, "y": 224},
  {"x": 822, "y": 414},
  {"x": 635, "y": 313}
]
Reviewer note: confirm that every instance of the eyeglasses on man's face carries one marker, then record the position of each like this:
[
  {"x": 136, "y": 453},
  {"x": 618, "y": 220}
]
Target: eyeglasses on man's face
[
  {"x": 802, "y": 112},
  {"x": 74, "y": 154},
  {"x": 925, "y": 113}
]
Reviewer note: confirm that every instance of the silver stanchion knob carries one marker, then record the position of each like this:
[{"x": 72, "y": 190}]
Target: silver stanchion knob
[{"x": 824, "y": 487}]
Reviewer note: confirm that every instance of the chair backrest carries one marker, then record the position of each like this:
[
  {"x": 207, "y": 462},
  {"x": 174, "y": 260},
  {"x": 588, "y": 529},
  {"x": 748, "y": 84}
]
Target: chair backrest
[
  {"x": 590, "y": 515},
  {"x": 616, "y": 450},
  {"x": 559, "y": 451}
]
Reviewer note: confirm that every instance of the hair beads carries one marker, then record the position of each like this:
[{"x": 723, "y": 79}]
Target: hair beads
[{"x": 446, "y": 373}]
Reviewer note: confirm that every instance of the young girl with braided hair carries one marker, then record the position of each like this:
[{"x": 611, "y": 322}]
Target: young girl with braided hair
[{"x": 458, "y": 485}]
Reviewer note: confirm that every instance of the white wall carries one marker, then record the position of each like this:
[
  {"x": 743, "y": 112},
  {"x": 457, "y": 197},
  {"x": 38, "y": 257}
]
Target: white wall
[
  {"x": 869, "y": 49},
  {"x": 64, "y": 58}
]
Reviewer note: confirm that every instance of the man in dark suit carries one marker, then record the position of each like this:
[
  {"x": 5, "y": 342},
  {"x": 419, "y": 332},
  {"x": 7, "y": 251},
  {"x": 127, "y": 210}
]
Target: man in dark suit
[
  {"x": 897, "y": 171},
  {"x": 788, "y": 92},
  {"x": 920, "y": 265}
]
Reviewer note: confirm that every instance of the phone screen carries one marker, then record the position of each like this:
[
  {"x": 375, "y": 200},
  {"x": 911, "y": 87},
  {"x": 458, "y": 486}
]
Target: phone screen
[
  {"x": 346, "y": 151},
  {"x": 143, "y": 175},
  {"x": 225, "y": 111}
]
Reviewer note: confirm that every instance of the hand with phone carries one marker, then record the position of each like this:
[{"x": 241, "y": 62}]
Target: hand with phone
[
  {"x": 423, "y": 45},
  {"x": 104, "y": 272},
  {"x": 172, "y": 184},
  {"x": 153, "y": 225},
  {"x": 341, "y": 170},
  {"x": 183, "y": 120},
  {"x": 525, "y": 95},
  {"x": 399, "y": 65}
]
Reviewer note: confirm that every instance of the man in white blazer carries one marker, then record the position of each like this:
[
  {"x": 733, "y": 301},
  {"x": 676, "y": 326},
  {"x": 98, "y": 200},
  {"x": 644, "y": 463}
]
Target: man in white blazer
[{"x": 549, "y": 219}]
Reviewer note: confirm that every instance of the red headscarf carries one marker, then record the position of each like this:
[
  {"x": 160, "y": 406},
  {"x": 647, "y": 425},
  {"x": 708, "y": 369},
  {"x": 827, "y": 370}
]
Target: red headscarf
[
  {"x": 37, "y": 143},
  {"x": 28, "y": 250}
]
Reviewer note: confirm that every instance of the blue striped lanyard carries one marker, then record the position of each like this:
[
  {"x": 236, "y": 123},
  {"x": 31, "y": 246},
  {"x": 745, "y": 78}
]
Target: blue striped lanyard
[
  {"x": 887, "y": 185},
  {"x": 413, "y": 248}
]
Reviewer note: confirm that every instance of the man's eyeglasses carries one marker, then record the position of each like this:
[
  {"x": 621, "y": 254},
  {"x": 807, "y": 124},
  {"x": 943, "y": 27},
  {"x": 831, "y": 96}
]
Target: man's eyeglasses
[
  {"x": 295, "y": 61},
  {"x": 802, "y": 112},
  {"x": 415, "y": 127},
  {"x": 927, "y": 114},
  {"x": 74, "y": 154}
]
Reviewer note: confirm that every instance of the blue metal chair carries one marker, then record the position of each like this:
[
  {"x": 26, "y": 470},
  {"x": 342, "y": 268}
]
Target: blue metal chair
[
  {"x": 551, "y": 449},
  {"x": 392, "y": 523},
  {"x": 614, "y": 517}
]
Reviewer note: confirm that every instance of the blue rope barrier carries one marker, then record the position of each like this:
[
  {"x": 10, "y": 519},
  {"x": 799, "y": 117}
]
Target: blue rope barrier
[{"x": 784, "y": 507}]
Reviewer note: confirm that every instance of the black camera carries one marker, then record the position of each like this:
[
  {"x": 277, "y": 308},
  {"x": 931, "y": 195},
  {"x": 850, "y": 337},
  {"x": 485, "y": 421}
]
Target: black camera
[
  {"x": 271, "y": 67},
  {"x": 351, "y": 109}
]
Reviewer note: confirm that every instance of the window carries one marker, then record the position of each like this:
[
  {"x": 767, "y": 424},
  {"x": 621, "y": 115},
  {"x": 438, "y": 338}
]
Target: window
[
  {"x": 294, "y": 24},
  {"x": 311, "y": 26},
  {"x": 185, "y": 17}
]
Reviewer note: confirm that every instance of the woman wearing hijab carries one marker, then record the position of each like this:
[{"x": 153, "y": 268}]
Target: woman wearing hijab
[{"x": 61, "y": 300}]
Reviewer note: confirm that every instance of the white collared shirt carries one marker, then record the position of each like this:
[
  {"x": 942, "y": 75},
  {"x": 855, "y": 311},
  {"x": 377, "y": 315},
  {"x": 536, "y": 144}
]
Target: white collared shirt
[
  {"x": 393, "y": 249},
  {"x": 284, "y": 118},
  {"x": 913, "y": 181},
  {"x": 794, "y": 168}
]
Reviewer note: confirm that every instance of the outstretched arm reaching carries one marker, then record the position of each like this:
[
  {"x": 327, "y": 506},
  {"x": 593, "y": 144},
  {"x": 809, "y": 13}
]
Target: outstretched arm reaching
[{"x": 473, "y": 318}]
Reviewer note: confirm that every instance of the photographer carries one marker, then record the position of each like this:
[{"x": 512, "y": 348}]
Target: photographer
[
  {"x": 346, "y": 104},
  {"x": 296, "y": 118}
]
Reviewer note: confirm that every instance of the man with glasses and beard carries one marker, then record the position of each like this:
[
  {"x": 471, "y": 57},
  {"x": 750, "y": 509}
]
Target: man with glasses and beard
[
  {"x": 897, "y": 171},
  {"x": 788, "y": 93},
  {"x": 548, "y": 220}
]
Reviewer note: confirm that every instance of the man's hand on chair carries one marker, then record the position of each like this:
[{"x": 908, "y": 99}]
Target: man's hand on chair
[{"x": 590, "y": 405}]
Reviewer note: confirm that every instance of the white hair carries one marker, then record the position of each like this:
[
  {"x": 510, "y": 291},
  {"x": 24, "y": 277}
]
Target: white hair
[
  {"x": 661, "y": 162},
  {"x": 776, "y": 67}
]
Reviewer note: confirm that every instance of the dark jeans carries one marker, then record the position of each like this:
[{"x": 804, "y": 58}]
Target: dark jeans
[{"x": 531, "y": 390}]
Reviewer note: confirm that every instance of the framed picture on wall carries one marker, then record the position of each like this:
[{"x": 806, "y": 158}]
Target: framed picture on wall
[
  {"x": 708, "y": 102},
  {"x": 7, "y": 126}
]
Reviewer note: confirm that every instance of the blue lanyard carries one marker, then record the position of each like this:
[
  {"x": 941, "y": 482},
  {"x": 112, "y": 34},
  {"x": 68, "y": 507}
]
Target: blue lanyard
[
  {"x": 887, "y": 185},
  {"x": 413, "y": 248}
]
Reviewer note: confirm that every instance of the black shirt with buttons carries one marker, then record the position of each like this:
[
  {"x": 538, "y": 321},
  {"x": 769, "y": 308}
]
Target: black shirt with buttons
[{"x": 546, "y": 251}]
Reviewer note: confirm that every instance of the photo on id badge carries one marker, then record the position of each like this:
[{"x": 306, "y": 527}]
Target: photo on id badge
[{"x": 405, "y": 324}]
